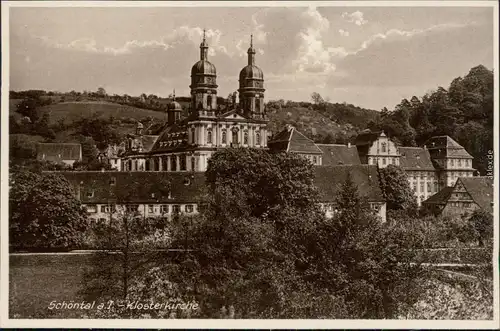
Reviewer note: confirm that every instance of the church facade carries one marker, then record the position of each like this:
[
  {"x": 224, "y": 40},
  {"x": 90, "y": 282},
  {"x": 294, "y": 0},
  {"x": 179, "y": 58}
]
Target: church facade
[{"x": 186, "y": 144}]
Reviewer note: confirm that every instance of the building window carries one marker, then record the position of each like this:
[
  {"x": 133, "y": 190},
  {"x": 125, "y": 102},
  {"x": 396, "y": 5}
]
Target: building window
[
  {"x": 257, "y": 138},
  {"x": 183, "y": 162},
  {"x": 189, "y": 208},
  {"x": 315, "y": 159},
  {"x": 383, "y": 160},
  {"x": 92, "y": 208},
  {"x": 421, "y": 187},
  {"x": 257, "y": 105},
  {"x": 435, "y": 186},
  {"x": 164, "y": 209},
  {"x": 224, "y": 137},
  {"x": 383, "y": 147},
  {"x": 151, "y": 208},
  {"x": 235, "y": 137},
  {"x": 452, "y": 162},
  {"x": 209, "y": 101},
  {"x": 132, "y": 208},
  {"x": 192, "y": 136},
  {"x": 193, "y": 163},
  {"x": 176, "y": 209},
  {"x": 102, "y": 220},
  {"x": 112, "y": 181},
  {"x": 173, "y": 163},
  {"x": 429, "y": 187},
  {"x": 209, "y": 136},
  {"x": 245, "y": 138},
  {"x": 394, "y": 160},
  {"x": 90, "y": 194}
]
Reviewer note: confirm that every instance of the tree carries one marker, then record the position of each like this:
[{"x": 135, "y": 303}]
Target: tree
[
  {"x": 317, "y": 99},
  {"x": 101, "y": 92},
  {"x": 128, "y": 242},
  {"x": 397, "y": 191},
  {"x": 354, "y": 256},
  {"x": 247, "y": 242},
  {"x": 482, "y": 223},
  {"x": 44, "y": 212}
]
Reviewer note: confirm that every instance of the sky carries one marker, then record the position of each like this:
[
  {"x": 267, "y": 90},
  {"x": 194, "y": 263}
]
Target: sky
[{"x": 371, "y": 57}]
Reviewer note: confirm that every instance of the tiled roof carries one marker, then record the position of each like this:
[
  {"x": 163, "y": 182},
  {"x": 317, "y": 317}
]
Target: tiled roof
[
  {"x": 155, "y": 128},
  {"x": 137, "y": 187},
  {"x": 329, "y": 180},
  {"x": 57, "y": 152},
  {"x": 481, "y": 191},
  {"x": 339, "y": 154},
  {"x": 441, "y": 197},
  {"x": 449, "y": 147},
  {"x": 291, "y": 140},
  {"x": 173, "y": 137},
  {"x": 415, "y": 158}
]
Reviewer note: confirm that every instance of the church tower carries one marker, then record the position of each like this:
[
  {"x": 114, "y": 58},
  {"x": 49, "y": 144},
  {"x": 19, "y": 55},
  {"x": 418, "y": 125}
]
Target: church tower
[
  {"x": 251, "y": 91},
  {"x": 203, "y": 84},
  {"x": 174, "y": 111}
]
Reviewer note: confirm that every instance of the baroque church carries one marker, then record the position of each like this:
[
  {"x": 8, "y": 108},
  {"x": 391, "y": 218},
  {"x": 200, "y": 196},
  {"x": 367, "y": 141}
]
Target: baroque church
[{"x": 186, "y": 144}]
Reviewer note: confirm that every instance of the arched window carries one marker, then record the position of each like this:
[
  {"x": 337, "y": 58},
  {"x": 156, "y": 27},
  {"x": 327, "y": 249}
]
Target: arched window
[
  {"x": 209, "y": 136},
  {"x": 183, "y": 162},
  {"x": 224, "y": 137},
  {"x": 245, "y": 138},
  {"x": 209, "y": 101},
  {"x": 257, "y": 138},
  {"x": 173, "y": 163},
  {"x": 235, "y": 136}
]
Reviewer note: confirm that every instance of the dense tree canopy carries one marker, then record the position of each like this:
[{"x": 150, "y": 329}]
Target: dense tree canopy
[
  {"x": 397, "y": 191},
  {"x": 464, "y": 112},
  {"x": 44, "y": 212}
]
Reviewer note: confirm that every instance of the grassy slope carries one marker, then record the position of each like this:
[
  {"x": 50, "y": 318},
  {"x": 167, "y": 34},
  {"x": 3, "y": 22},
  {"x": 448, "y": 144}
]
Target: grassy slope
[
  {"x": 71, "y": 111},
  {"x": 304, "y": 120}
]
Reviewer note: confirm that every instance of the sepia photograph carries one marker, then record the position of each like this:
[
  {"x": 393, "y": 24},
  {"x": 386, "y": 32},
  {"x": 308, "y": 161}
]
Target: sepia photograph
[{"x": 250, "y": 164}]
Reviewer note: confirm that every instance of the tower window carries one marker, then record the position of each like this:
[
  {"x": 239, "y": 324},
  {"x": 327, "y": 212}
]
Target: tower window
[
  {"x": 192, "y": 136},
  {"x": 209, "y": 136},
  {"x": 257, "y": 138},
  {"x": 257, "y": 104},
  {"x": 209, "y": 102},
  {"x": 224, "y": 137},
  {"x": 193, "y": 163}
]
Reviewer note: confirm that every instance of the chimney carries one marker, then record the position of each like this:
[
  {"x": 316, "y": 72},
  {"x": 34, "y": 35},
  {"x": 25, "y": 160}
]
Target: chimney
[{"x": 348, "y": 145}]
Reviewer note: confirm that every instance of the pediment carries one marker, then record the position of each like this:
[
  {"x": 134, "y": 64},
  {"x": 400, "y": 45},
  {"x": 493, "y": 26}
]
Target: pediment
[{"x": 233, "y": 115}]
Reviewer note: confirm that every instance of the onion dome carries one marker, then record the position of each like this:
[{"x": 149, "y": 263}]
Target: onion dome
[
  {"x": 203, "y": 67},
  {"x": 174, "y": 105},
  {"x": 251, "y": 71}
]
